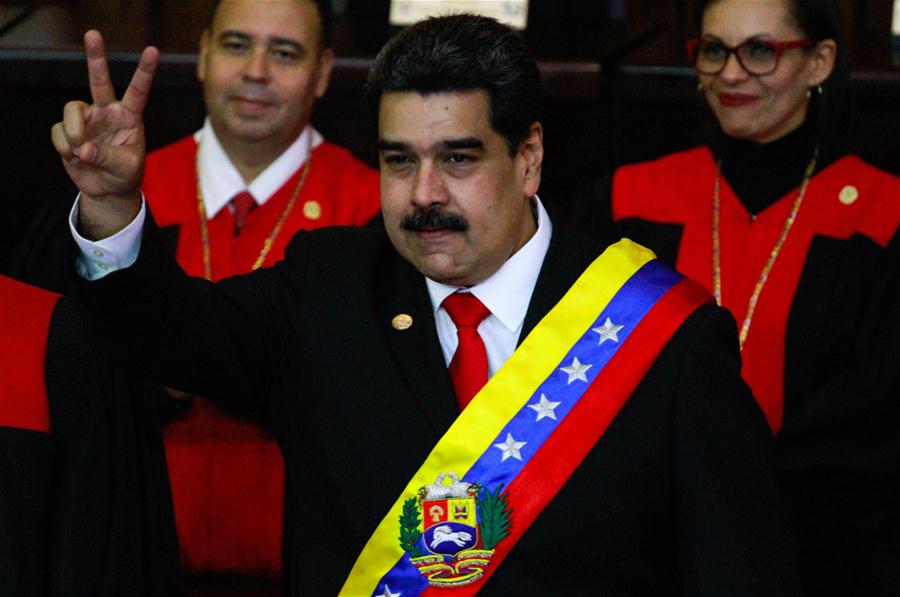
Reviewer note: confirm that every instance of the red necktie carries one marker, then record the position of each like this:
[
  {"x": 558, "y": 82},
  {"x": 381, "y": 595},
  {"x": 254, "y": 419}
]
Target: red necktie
[
  {"x": 469, "y": 366},
  {"x": 242, "y": 203}
]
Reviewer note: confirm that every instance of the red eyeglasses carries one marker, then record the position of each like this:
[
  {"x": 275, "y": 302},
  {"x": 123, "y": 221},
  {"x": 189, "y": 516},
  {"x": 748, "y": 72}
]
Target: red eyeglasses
[{"x": 756, "y": 56}]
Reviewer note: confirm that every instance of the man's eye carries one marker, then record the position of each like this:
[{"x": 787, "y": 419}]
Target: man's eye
[
  {"x": 234, "y": 46},
  {"x": 459, "y": 158},
  {"x": 396, "y": 159},
  {"x": 284, "y": 55}
]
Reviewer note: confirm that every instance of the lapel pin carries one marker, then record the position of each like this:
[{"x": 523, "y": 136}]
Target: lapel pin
[
  {"x": 312, "y": 209},
  {"x": 848, "y": 195},
  {"x": 402, "y": 322}
]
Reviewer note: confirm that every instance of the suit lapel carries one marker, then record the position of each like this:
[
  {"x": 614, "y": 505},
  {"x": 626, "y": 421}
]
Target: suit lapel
[
  {"x": 567, "y": 257},
  {"x": 416, "y": 349}
]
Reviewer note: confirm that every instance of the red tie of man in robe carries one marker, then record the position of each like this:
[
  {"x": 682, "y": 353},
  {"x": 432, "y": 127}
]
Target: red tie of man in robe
[
  {"x": 242, "y": 204},
  {"x": 469, "y": 366}
]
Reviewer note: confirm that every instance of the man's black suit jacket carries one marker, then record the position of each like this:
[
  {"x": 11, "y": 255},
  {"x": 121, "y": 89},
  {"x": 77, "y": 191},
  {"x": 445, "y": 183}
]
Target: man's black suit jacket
[{"x": 678, "y": 497}]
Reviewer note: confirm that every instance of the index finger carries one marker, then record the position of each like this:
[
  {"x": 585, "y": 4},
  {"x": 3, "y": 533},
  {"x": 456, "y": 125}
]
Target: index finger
[
  {"x": 135, "y": 97},
  {"x": 102, "y": 91}
]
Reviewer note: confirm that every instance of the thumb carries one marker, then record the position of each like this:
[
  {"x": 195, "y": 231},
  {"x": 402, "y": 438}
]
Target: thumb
[
  {"x": 117, "y": 163},
  {"x": 88, "y": 153},
  {"x": 93, "y": 154}
]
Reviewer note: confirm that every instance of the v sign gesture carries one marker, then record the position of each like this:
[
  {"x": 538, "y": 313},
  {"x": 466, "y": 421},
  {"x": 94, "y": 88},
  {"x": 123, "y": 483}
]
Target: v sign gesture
[{"x": 102, "y": 144}]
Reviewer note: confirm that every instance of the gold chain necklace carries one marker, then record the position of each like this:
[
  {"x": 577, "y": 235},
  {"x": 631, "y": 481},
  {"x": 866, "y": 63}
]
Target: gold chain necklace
[
  {"x": 767, "y": 268},
  {"x": 270, "y": 240}
]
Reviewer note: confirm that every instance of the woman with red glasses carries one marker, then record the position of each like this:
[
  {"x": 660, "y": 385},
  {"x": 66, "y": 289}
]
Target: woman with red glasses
[{"x": 799, "y": 240}]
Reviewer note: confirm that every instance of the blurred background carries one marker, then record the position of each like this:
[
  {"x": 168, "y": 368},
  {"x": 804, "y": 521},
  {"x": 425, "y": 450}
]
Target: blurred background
[{"x": 618, "y": 88}]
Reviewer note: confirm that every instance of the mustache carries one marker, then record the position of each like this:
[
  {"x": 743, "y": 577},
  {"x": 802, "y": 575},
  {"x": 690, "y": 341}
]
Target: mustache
[{"x": 433, "y": 219}]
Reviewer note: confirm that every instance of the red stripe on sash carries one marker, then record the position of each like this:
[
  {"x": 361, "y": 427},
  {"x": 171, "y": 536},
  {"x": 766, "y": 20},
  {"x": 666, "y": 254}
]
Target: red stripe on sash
[
  {"x": 585, "y": 424},
  {"x": 25, "y": 313}
]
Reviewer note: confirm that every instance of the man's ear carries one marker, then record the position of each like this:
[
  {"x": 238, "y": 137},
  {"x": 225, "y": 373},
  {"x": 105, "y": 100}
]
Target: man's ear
[
  {"x": 531, "y": 153},
  {"x": 201, "y": 57},
  {"x": 323, "y": 76},
  {"x": 823, "y": 57}
]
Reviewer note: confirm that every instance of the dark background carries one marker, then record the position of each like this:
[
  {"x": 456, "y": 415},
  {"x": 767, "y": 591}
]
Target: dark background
[{"x": 617, "y": 86}]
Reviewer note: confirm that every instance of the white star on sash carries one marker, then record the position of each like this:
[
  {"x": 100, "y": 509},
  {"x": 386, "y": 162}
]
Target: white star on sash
[
  {"x": 387, "y": 592},
  {"x": 510, "y": 448},
  {"x": 576, "y": 370},
  {"x": 608, "y": 331},
  {"x": 545, "y": 408}
]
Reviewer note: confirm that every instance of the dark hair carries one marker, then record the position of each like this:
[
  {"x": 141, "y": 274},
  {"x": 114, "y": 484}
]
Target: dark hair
[
  {"x": 818, "y": 20},
  {"x": 326, "y": 18},
  {"x": 464, "y": 52}
]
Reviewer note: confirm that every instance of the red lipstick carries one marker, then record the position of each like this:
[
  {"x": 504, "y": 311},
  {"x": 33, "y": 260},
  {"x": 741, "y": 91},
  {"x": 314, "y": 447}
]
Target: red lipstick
[{"x": 736, "y": 100}]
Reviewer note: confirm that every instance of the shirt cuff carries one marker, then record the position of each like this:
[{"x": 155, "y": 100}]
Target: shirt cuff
[{"x": 102, "y": 257}]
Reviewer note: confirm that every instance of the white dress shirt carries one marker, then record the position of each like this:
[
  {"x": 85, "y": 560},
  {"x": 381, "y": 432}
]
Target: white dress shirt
[
  {"x": 220, "y": 180},
  {"x": 506, "y": 294}
]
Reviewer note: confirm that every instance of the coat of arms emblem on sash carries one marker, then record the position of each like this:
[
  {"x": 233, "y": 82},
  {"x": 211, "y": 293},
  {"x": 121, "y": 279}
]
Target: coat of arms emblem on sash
[{"x": 450, "y": 529}]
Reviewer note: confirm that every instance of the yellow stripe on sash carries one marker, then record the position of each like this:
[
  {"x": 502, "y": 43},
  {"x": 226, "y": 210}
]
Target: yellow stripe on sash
[{"x": 502, "y": 397}]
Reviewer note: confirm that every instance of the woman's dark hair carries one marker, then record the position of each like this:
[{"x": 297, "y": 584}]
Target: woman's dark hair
[
  {"x": 464, "y": 52},
  {"x": 326, "y": 18},
  {"x": 818, "y": 20}
]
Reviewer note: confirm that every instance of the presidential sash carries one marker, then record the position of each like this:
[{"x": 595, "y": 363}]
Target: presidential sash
[{"x": 518, "y": 441}]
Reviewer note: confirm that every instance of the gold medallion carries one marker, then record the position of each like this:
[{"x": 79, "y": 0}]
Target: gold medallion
[
  {"x": 848, "y": 195},
  {"x": 402, "y": 322},
  {"x": 312, "y": 209}
]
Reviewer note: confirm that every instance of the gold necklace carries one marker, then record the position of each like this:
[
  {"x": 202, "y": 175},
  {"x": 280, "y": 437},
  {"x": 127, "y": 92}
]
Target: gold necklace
[
  {"x": 767, "y": 268},
  {"x": 270, "y": 240}
]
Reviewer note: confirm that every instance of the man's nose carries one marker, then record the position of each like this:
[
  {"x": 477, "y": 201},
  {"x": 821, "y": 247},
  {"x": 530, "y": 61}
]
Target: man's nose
[
  {"x": 257, "y": 66},
  {"x": 428, "y": 188}
]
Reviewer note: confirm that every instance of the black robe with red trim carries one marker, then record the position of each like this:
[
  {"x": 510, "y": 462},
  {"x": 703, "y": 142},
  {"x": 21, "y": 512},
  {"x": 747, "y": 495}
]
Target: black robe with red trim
[
  {"x": 823, "y": 350},
  {"x": 26, "y": 448},
  {"x": 215, "y": 460},
  {"x": 84, "y": 500}
]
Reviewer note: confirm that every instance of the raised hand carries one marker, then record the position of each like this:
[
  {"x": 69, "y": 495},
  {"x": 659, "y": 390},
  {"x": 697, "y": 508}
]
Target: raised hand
[{"x": 102, "y": 144}]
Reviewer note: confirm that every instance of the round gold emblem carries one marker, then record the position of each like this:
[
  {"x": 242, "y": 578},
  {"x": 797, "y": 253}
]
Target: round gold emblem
[
  {"x": 848, "y": 195},
  {"x": 402, "y": 322},
  {"x": 312, "y": 209}
]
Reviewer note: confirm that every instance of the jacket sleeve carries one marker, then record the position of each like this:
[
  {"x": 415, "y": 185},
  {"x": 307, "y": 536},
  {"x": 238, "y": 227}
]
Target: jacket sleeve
[
  {"x": 226, "y": 341},
  {"x": 732, "y": 536}
]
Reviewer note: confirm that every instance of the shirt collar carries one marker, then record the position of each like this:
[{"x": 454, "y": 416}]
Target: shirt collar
[
  {"x": 508, "y": 291},
  {"x": 220, "y": 179}
]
